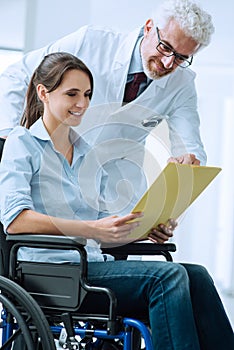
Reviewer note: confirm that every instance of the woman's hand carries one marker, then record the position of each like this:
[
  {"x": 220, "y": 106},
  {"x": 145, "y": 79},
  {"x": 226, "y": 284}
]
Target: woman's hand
[
  {"x": 114, "y": 229},
  {"x": 162, "y": 232}
]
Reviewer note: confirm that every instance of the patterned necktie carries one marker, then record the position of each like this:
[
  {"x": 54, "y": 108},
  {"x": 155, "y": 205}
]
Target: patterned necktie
[{"x": 132, "y": 87}]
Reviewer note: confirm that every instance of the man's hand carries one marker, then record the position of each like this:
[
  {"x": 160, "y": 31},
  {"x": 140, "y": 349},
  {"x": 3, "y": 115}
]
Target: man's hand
[
  {"x": 185, "y": 159},
  {"x": 162, "y": 232}
]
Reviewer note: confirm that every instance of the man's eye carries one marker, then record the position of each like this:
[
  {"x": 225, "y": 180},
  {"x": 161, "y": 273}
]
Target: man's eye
[
  {"x": 166, "y": 48},
  {"x": 180, "y": 58}
]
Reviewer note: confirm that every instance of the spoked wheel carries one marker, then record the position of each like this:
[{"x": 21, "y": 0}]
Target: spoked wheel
[{"x": 22, "y": 319}]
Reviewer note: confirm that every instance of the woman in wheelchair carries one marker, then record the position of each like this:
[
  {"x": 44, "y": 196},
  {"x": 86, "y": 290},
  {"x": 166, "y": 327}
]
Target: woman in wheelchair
[{"x": 42, "y": 192}]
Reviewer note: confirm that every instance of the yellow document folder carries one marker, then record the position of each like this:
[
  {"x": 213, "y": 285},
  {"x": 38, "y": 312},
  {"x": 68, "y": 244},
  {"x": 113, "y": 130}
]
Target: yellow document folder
[{"x": 176, "y": 187}]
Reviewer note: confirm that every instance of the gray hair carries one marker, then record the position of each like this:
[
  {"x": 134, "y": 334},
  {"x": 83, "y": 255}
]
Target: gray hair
[{"x": 192, "y": 19}]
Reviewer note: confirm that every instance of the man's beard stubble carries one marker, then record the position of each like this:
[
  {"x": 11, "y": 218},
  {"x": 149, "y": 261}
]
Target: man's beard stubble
[{"x": 151, "y": 72}]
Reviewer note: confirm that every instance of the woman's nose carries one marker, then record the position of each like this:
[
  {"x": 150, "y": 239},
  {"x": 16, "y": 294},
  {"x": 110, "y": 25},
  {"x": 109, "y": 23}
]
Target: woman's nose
[{"x": 82, "y": 102}]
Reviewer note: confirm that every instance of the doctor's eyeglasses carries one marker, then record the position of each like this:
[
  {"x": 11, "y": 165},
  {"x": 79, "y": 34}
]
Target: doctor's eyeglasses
[{"x": 166, "y": 50}]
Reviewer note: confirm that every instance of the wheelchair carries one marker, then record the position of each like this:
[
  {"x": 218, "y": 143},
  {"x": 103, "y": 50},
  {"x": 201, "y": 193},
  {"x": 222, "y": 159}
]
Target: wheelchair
[{"x": 41, "y": 301}]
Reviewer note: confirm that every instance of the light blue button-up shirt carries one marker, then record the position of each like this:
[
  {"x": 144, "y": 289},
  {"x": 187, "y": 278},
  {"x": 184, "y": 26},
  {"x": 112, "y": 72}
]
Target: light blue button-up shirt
[{"x": 33, "y": 175}]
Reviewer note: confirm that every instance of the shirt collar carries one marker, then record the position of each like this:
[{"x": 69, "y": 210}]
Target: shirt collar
[{"x": 39, "y": 131}]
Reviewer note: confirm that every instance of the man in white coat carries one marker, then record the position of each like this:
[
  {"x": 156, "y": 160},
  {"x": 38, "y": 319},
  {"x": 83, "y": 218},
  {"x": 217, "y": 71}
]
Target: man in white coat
[{"x": 163, "y": 49}]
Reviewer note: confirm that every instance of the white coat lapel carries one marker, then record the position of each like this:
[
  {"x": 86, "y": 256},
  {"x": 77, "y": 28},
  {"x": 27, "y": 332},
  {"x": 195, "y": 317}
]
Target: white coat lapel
[{"x": 120, "y": 67}]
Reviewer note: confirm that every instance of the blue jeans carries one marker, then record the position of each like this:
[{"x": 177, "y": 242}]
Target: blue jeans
[{"x": 179, "y": 300}]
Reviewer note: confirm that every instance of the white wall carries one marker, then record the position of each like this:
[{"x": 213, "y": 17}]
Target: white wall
[
  {"x": 206, "y": 232},
  {"x": 49, "y": 20},
  {"x": 12, "y": 23}
]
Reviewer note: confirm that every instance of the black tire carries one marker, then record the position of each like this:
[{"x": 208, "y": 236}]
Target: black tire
[
  {"x": 31, "y": 320},
  {"x": 23, "y": 328}
]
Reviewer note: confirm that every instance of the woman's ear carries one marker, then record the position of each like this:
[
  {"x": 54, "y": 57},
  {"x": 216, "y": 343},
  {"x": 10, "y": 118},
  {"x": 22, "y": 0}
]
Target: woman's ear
[
  {"x": 149, "y": 25},
  {"x": 42, "y": 92}
]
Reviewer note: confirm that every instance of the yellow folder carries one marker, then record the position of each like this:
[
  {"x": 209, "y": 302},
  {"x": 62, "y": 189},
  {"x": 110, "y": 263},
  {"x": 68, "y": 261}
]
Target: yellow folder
[{"x": 173, "y": 191}]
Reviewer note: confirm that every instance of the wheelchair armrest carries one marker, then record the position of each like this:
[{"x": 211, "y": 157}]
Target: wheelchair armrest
[
  {"x": 141, "y": 248},
  {"x": 45, "y": 240}
]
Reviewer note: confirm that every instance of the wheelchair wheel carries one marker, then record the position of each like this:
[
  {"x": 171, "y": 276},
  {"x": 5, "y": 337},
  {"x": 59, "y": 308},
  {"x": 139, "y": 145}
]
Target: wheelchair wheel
[{"x": 23, "y": 314}]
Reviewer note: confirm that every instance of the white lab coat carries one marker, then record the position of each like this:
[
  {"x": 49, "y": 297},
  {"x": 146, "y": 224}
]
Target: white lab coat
[{"x": 115, "y": 131}]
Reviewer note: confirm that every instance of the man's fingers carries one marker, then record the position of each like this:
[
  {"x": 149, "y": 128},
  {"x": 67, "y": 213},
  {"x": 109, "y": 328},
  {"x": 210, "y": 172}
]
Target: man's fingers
[{"x": 189, "y": 158}]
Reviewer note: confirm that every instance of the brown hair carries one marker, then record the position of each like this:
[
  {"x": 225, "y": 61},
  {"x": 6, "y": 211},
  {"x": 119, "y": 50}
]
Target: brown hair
[{"x": 50, "y": 73}]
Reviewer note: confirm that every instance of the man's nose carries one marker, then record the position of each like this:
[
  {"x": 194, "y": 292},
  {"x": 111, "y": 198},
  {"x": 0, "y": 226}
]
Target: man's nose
[{"x": 168, "y": 61}]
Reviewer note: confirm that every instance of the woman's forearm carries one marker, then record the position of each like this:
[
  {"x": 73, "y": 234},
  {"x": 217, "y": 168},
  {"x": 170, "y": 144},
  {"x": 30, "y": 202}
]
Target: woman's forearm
[
  {"x": 112, "y": 229},
  {"x": 29, "y": 221}
]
